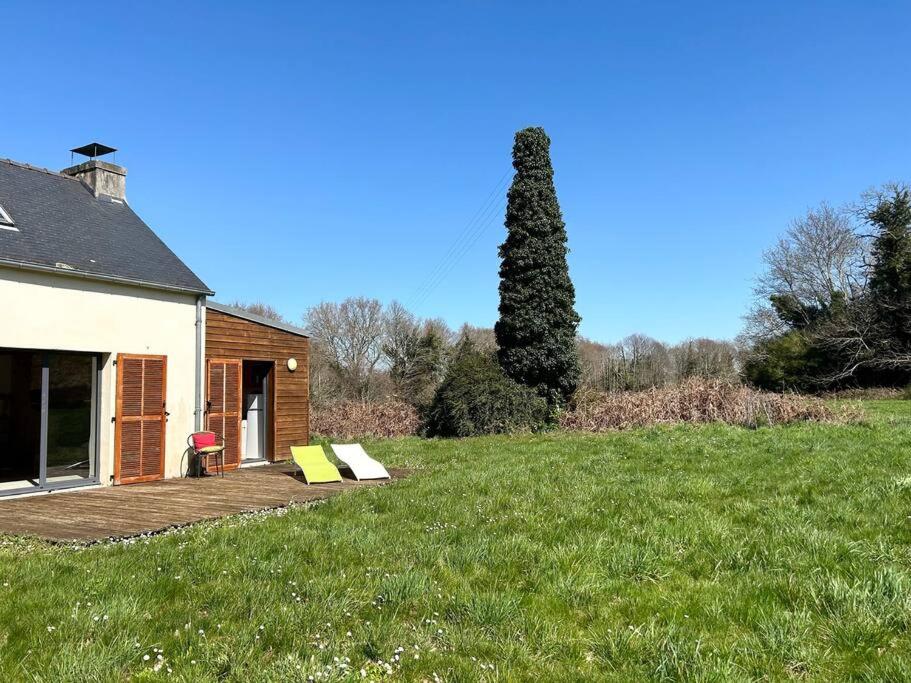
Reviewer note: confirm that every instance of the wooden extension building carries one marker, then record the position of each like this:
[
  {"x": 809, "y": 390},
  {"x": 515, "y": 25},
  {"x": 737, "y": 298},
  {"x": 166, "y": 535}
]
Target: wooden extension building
[{"x": 257, "y": 385}]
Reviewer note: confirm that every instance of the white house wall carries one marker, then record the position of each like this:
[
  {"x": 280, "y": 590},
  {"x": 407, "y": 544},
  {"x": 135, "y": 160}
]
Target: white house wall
[{"x": 53, "y": 312}]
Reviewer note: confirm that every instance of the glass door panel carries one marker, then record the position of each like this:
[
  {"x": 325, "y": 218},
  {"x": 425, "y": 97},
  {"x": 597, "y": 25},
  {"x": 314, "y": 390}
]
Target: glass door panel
[
  {"x": 70, "y": 418},
  {"x": 20, "y": 419}
]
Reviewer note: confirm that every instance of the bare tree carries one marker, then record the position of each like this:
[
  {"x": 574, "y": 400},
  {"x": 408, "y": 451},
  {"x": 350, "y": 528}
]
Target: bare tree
[
  {"x": 855, "y": 339},
  {"x": 261, "y": 309},
  {"x": 603, "y": 365},
  {"x": 350, "y": 335},
  {"x": 401, "y": 333},
  {"x": 646, "y": 362},
  {"x": 325, "y": 382},
  {"x": 482, "y": 338},
  {"x": 872, "y": 335},
  {"x": 820, "y": 260},
  {"x": 640, "y": 362},
  {"x": 708, "y": 358},
  {"x": 440, "y": 327},
  {"x": 402, "y": 349},
  {"x": 416, "y": 352},
  {"x": 820, "y": 255},
  {"x": 820, "y": 319},
  {"x": 593, "y": 361}
]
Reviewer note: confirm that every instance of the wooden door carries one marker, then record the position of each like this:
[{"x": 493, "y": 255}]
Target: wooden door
[
  {"x": 223, "y": 408},
  {"x": 140, "y": 418}
]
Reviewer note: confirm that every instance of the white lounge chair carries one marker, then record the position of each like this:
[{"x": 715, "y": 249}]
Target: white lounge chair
[{"x": 362, "y": 466}]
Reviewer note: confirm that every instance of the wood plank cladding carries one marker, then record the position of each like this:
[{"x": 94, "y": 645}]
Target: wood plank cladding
[{"x": 230, "y": 337}]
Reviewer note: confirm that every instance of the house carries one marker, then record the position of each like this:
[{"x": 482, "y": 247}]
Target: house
[{"x": 111, "y": 352}]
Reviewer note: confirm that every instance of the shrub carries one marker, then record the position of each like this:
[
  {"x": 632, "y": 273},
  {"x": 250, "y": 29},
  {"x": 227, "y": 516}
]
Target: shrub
[
  {"x": 353, "y": 419},
  {"x": 906, "y": 394},
  {"x": 787, "y": 361},
  {"x": 477, "y": 398},
  {"x": 696, "y": 401}
]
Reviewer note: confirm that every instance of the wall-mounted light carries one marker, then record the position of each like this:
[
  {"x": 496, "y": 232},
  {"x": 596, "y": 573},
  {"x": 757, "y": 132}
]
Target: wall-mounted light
[{"x": 292, "y": 364}]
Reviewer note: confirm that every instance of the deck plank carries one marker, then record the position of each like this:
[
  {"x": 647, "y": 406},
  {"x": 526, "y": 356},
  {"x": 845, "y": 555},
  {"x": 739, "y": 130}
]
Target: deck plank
[{"x": 126, "y": 511}]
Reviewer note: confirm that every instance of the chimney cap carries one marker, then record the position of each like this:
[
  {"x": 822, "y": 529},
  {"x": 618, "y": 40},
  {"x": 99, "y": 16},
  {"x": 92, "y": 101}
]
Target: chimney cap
[{"x": 93, "y": 149}]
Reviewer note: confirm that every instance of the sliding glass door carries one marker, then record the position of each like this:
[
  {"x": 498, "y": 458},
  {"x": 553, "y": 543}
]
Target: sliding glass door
[
  {"x": 48, "y": 419},
  {"x": 20, "y": 420}
]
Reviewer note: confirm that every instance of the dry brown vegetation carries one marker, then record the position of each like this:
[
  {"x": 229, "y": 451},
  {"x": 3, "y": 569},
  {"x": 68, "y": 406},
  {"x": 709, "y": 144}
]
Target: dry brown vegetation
[
  {"x": 696, "y": 401},
  {"x": 355, "y": 419}
]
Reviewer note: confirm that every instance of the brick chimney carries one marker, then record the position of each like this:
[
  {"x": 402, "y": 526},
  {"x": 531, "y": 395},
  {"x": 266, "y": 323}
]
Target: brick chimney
[{"x": 101, "y": 177}]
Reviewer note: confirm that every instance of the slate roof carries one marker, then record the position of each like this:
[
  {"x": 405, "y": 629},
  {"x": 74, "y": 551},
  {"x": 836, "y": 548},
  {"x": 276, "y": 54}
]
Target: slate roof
[{"x": 62, "y": 227}]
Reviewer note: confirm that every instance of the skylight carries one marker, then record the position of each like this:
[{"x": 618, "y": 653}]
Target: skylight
[{"x": 6, "y": 222}]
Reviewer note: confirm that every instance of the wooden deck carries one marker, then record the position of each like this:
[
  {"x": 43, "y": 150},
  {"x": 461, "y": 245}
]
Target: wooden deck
[{"x": 125, "y": 511}]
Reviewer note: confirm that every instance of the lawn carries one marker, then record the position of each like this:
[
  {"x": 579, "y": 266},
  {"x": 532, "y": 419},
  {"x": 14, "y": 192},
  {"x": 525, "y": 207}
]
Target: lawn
[{"x": 679, "y": 553}]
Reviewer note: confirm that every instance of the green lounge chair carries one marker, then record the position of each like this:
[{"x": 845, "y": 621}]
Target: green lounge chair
[{"x": 314, "y": 465}]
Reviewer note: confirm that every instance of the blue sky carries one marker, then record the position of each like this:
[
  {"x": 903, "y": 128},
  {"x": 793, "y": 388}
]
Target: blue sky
[{"x": 300, "y": 152}]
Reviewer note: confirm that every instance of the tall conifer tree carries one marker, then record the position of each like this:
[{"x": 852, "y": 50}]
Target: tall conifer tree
[
  {"x": 890, "y": 279},
  {"x": 536, "y": 332}
]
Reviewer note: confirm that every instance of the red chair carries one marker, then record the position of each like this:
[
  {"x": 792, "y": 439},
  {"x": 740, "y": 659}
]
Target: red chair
[{"x": 207, "y": 445}]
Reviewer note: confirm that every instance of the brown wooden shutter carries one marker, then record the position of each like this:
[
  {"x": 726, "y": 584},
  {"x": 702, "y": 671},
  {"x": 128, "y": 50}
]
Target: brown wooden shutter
[
  {"x": 139, "y": 436},
  {"x": 224, "y": 409}
]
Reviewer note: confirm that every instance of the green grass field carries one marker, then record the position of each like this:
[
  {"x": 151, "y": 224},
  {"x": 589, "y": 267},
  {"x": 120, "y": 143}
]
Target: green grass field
[{"x": 684, "y": 553}]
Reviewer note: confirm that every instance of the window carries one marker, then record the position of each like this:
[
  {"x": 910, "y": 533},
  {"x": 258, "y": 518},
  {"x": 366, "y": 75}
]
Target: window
[{"x": 6, "y": 223}]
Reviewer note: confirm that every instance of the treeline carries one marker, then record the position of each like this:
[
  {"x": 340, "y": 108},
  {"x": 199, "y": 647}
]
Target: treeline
[
  {"x": 641, "y": 362},
  {"x": 368, "y": 352},
  {"x": 365, "y": 351},
  {"x": 833, "y": 305}
]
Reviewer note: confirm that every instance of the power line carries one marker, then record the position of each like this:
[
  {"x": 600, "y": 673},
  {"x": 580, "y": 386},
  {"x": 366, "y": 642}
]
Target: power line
[
  {"x": 466, "y": 238},
  {"x": 490, "y": 219},
  {"x": 460, "y": 239}
]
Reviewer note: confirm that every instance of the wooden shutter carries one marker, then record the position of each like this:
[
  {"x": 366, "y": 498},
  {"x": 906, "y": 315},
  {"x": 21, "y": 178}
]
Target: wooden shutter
[
  {"x": 223, "y": 409},
  {"x": 139, "y": 437}
]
